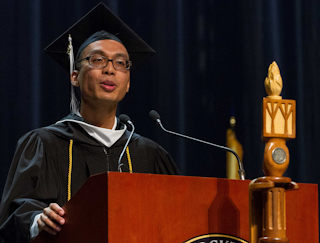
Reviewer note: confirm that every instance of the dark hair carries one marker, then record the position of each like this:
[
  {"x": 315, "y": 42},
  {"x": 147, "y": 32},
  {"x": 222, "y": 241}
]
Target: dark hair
[{"x": 100, "y": 35}]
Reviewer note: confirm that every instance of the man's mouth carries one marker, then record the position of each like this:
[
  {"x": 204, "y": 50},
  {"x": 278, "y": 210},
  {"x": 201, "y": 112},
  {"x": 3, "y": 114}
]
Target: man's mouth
[{"x": 108, "y": 85}]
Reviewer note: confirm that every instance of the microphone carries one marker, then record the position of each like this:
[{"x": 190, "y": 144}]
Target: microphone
[
  {"x": 126, "y": 120},
  {"x": 156, "y": 117}
]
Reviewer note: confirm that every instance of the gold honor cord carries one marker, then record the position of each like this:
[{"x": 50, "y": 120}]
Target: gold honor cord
[
  {"x": 129, "y": 159},
  {"x": 70, "y": 166},
  {"x": 70, "y": 169}
]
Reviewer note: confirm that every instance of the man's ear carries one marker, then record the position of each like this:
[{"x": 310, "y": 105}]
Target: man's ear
[
  {"x": 74, "y": 78},
  {"x": 128, "y": 86}
]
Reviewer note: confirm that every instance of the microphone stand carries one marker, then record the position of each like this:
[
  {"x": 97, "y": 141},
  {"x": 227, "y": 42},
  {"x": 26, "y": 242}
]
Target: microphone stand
[
  {"x": 240, "y": 171},
  {"x": 125, "y": 119}
]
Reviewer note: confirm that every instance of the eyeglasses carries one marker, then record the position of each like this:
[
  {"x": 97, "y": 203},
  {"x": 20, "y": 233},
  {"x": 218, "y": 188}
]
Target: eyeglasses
[{"x": 98, "y": 61}]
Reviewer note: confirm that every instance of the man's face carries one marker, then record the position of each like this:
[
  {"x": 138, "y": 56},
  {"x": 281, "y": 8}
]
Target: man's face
[{"x": 105, "y": 85}]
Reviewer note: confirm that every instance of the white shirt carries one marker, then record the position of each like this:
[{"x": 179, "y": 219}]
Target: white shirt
[{"x": 105, "y": 136}]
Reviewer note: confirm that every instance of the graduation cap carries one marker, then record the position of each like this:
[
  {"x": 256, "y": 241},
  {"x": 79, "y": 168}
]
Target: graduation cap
[
  {"x": 84, "y": 32},
  {"x": 97, "y": 19}
]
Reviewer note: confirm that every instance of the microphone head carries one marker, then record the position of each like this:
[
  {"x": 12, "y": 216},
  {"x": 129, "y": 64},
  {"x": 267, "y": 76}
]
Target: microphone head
[
  {"x": 124, "y": 118},
  {"x": 154, "y": 115}
]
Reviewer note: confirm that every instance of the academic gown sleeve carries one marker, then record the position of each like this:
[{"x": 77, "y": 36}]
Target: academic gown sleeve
[
  {"x": 150, "y": 157},
  {"x": 29, "y": 188},
  {"x": 164, "y": 163}
]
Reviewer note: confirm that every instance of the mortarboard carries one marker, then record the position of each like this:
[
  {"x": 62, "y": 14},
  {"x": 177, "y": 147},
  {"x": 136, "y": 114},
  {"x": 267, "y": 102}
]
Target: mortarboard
[{"x": 97, "y": 19}]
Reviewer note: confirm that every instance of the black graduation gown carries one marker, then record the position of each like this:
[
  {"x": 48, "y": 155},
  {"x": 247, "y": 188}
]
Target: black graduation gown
[{"x": 38, "y": 174}]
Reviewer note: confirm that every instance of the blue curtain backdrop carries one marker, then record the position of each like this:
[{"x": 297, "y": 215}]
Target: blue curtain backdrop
[{"x": 212, "y": 59}]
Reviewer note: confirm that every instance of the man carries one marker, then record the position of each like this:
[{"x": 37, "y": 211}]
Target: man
[{"x": 52, "y": 163}]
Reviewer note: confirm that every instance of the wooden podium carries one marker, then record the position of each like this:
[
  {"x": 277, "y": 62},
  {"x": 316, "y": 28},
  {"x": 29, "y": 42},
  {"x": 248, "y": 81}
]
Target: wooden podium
[{"x": 121, "y": 207}]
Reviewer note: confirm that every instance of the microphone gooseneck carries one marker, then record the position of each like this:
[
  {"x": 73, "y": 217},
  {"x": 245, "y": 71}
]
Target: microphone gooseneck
[
  {"x": 156, "y": 117},
  {"x": 126, "y": 120}
]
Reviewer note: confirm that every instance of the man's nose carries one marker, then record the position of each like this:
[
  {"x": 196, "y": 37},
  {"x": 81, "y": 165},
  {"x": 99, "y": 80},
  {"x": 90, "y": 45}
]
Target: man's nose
[{"x": 109, "y": 69}]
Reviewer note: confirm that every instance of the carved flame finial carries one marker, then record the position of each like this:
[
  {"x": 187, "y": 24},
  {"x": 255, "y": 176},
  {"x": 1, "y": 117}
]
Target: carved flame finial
[{"x": 273, "y": 83}]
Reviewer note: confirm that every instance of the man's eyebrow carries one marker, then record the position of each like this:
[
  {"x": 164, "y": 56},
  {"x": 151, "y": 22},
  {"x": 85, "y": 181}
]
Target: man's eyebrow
[
  {"x": 96, "y": 52},
  {"x": 120, "y": 54}
]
